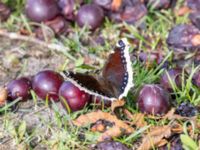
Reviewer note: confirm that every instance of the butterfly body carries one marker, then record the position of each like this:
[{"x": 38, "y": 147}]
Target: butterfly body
[{"x": 115, "y": 80}]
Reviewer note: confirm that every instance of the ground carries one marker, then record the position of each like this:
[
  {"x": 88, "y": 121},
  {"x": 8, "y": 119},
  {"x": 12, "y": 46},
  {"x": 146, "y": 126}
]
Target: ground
[{"x": 38, "y": 125}]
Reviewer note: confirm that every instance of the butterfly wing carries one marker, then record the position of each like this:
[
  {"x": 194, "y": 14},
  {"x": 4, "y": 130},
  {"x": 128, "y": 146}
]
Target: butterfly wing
[
  {"x": 117, "y": 72},
  {"x": 116, "y": 79},
  {"x": 91, "y": 84}
]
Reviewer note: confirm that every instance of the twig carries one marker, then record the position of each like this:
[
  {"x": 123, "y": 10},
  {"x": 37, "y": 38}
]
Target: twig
[
  {"x": 52, "y": 46},
  {"x": 15, "y": 36}
]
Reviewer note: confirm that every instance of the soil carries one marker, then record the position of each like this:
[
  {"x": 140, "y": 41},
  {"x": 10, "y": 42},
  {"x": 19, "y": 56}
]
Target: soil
[{"x": 17, "y": 59}]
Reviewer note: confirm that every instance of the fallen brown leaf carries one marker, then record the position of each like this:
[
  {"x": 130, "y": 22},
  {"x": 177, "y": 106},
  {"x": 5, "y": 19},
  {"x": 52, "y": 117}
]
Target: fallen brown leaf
[
  {"x": 196, "y": 40},
  {"x": 136, "y": 119},
  {"x": 155, "y": 137},
  {"x": 112, "y": 132},
  {"x": 177, "y": 128},
  {"x": 116, "y": 104},
  {"x": 116, "y": 4},
  {"x": 162, "y": 143},
  {"x": 170, "y": 115},
  {"x": 99, "y": 127},
  {"x": 3, "y": 95},
  {"x": 183, "y": 10},
  {"x": 119, "y": 127}
]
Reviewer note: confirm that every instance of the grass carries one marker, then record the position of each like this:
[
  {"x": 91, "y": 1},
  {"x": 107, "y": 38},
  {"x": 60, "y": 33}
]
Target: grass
[{"x": 59, "y": 132}]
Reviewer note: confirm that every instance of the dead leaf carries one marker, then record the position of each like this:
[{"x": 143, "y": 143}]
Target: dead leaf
[
  {"x": 170, "y": 116},
  {"x": 116, "y": 4},
  {"x": 99, "y": 127},
  {"x": 177, "y": 128},
  {"x": 196, "y": 40},
  {"x": 162, "y": 143},
  {"x": 116, "y": 104},
  {"x": 183, "y": 10},
  {"x": 119, "y": 127},
  {"x": 3, "y": 96},
  {"x": 137, "y": 119},
  {"x": 112, "y": 132},
  {"x": 155, "y": 137}
]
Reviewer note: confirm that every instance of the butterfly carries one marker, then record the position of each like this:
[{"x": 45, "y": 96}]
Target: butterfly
[{"x": 115, "y": 79}]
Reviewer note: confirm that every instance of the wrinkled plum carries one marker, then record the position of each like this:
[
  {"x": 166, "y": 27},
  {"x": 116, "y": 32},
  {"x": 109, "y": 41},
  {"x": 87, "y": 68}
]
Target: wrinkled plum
[
  {"x": 67, "y": 8},
  {"x": 106, "y": 4},
  {"x": 186, "y": 110},
  {"x": 173, "y": 74},
  {"x": 72, "y": 96},
  {"x": 149, "y": 58},
  {"x": 153, "y": 99},
  {"x": 59, "y": 25},
  {"x": 193, "y": 4},
  {"x": 46, "y": 84},
  {"x": 114, "y": 16},
  {"x": 91, "y": 15},
  {"x": 109, "y": 145},
  {"x": 41, "y": 10},
  {"x": 19, "y": 88},
  {"x": 184, "y": 37},
  {"x": 4, "y": 12},
  {"x": 195, "y": 19},
  {"x": 132, "y": 14}
]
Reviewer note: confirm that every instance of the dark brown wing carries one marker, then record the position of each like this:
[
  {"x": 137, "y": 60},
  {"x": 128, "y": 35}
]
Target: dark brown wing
[
  {"x": 117, "y": 72},
  {"x": 91, "y": 84}
]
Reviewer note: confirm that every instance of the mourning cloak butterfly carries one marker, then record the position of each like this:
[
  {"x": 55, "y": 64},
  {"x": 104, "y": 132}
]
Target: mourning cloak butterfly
[{"x": 114, "y": 81}]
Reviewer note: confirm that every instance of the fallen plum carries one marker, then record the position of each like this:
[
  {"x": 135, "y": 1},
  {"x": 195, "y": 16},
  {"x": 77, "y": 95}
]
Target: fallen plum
[
  {"x": 153, "y": 99},
  {"x": 46, "y": 84},
  {"x": 173, "y": 74},
  {"x": 41, "y": 10},
  {"x": 91, "y": 15},
  {"x": 4, "y": 12},
  {"x": 19, "y": 88},
  {"x": 72, "y": 96},
  {"x": 184, "y": 36},
  {"x": 67, "y": 8}
]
